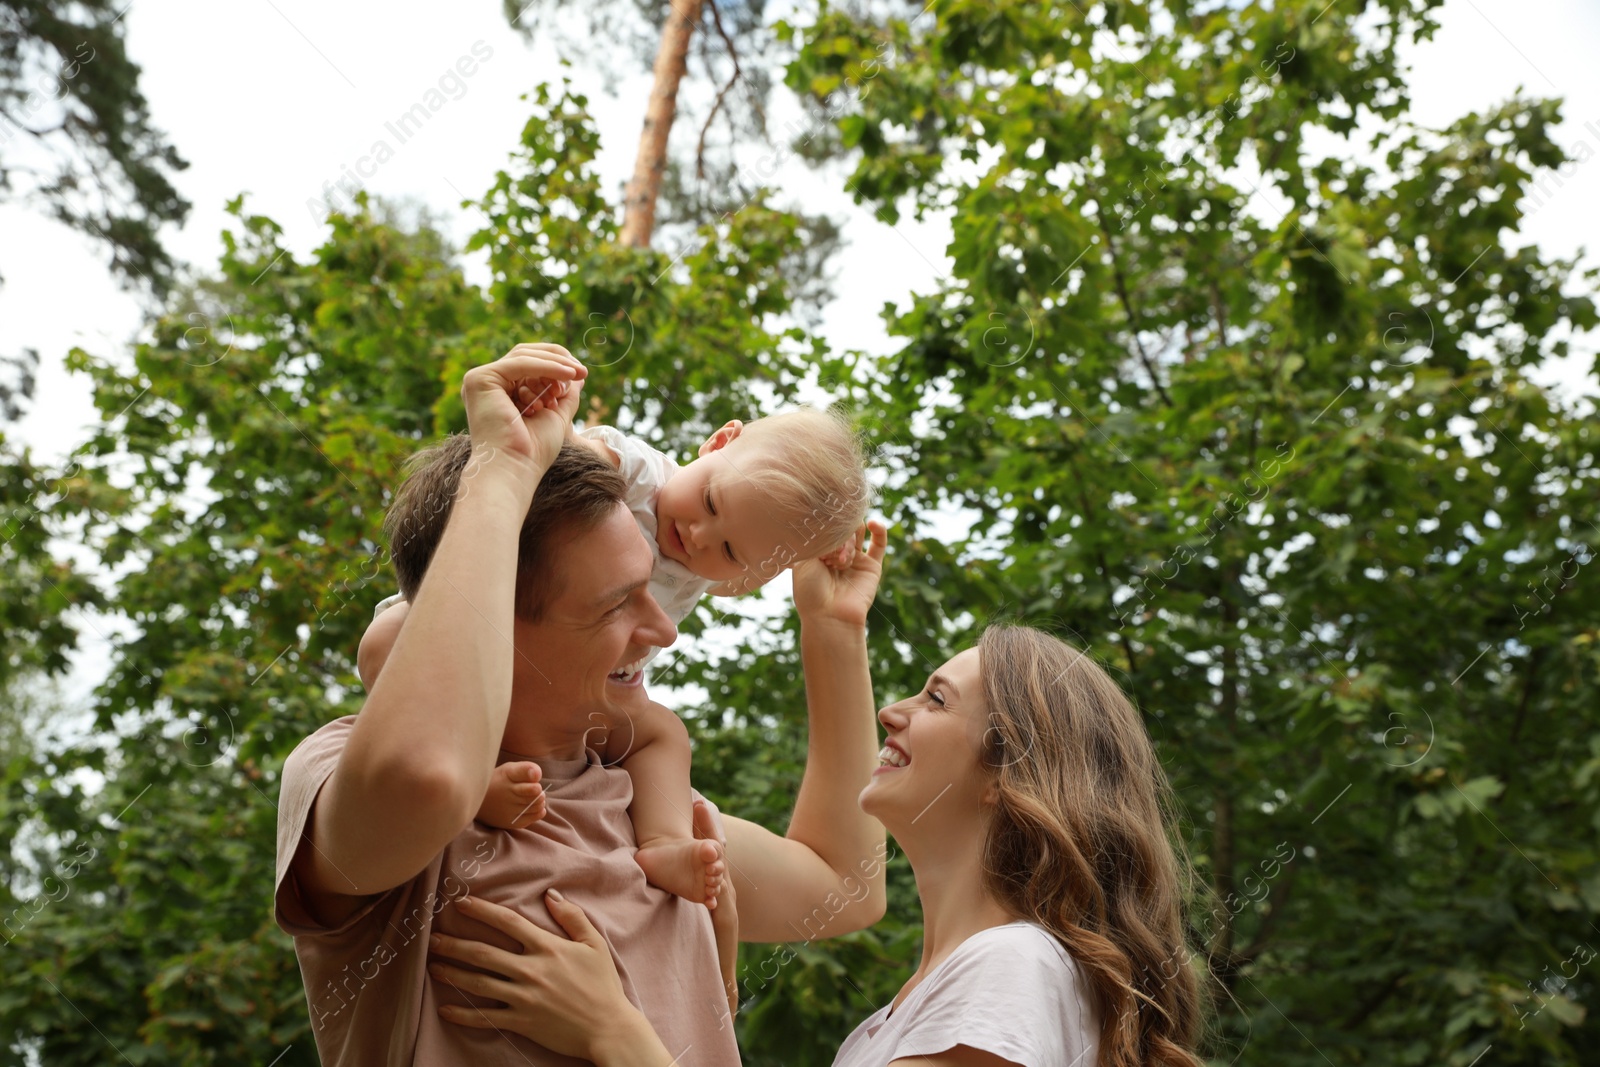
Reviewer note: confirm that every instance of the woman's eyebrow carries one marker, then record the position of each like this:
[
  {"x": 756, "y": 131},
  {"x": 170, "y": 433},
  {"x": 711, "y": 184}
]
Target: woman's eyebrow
[{"x": 937, "y": 679}]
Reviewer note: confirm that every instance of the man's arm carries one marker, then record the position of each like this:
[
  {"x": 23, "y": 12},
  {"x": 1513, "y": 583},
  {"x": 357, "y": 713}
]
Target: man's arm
[
  {"x": 826, "y": 876},
  {"x": 422, "y": 750}
]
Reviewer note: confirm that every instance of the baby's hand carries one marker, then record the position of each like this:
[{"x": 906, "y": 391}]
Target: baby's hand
[
  {"x": 515, "y": 798},
  {"x": 840, "y": 558}
]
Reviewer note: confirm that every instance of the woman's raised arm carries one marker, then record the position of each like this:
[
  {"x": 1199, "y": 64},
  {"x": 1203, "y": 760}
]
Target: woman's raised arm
[{"x": 825, "y": 876}]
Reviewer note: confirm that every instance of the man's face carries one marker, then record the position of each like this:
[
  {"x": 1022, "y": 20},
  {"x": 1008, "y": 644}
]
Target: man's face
[{"x": 601, "y": 621}]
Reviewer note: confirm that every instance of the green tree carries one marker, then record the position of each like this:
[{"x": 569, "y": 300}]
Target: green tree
[
  {"x": 1231, "y": 371},
  {"x": 1232, "y": 389},
  {"x": 719, "y": 158},
  {"x": 234, "y": 491},
  {"x": 75, "y": 132}
]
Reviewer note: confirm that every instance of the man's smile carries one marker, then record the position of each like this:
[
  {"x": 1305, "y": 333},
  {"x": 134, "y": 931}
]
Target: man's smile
[{"x": 629, "y": 674}]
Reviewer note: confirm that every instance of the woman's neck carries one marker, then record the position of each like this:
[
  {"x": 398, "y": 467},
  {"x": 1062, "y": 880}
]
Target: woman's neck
[{"x": 955, "y": 902}]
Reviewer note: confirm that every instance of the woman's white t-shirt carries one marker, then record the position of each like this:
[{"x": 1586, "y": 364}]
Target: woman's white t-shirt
[{"x": 1011, "y": 990}]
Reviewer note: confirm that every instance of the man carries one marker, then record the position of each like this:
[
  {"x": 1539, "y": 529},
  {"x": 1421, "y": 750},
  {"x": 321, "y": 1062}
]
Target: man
[{"x": 511, "y": 645}]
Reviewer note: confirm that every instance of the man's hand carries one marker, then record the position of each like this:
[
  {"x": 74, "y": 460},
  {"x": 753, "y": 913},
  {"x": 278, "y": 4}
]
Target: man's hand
[
  {"x": 520, "y": 407},
  {"x": 825, "y": 592}
]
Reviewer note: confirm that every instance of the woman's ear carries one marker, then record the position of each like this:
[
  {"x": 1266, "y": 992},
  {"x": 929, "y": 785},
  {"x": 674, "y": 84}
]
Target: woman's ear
[{"x": 723, "y": 437}]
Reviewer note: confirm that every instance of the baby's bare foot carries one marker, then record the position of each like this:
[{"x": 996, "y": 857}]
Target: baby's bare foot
[
  {"x": 691, "y": 869},
  {"x": 515, "y": 800}
]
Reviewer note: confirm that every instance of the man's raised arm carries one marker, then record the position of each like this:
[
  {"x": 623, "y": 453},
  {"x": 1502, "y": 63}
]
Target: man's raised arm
[
  {"x": 825, "y": 877},
  {"x": 420, "y": 755}
]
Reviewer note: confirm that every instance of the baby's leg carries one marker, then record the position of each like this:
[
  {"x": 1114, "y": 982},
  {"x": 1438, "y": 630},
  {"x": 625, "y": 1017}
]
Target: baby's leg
[
  {"x": 515, "y": 799},
  {"x": 378, "y": 642},
  {"x": 658, "y": 762}
]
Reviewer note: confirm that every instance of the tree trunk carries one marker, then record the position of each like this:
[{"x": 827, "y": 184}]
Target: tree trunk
[
  {"x": 672, "y": 59},
  {"x": 1224, "y": 847}
]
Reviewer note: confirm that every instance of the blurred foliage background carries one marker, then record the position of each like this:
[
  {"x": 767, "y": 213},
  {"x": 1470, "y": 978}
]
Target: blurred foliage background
[{"x": 1227, "y": 383}]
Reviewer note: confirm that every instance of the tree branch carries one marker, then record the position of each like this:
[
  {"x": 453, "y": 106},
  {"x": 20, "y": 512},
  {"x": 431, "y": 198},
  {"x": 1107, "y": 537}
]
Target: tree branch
[
  {"x": 1127, "y": 309},
  {"x": 639, "y": 211},
  {"x": 733, "y": 54},
  {"x": 1275, "y": 901},
  {"x": 40, "y": 134},
  {"x": 1100, "y": 558},
  {"x": 1374, "y": 1002},
  {"x": 1527, "y": 692}
]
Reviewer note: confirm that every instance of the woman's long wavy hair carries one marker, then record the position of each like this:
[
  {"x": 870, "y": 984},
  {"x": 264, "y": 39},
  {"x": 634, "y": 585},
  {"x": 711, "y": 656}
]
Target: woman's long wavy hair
[{"x": 1082, "y": 840}]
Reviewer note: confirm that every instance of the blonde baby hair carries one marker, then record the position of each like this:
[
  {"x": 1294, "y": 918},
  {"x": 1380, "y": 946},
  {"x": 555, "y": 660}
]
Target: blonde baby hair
[{"x": 811, "y": 464}]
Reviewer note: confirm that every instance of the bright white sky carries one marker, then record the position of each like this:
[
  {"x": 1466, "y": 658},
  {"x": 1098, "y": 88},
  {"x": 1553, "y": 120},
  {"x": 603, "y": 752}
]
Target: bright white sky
[{"x": 276, "y": 97}]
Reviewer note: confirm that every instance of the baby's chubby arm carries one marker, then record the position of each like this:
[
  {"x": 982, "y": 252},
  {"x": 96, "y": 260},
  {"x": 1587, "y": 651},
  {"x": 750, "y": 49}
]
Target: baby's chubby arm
[{"x": 615, "y": 737}]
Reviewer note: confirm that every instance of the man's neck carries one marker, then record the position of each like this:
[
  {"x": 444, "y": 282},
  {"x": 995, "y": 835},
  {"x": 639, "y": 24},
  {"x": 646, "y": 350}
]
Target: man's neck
[{"x": 529, "y": 733}]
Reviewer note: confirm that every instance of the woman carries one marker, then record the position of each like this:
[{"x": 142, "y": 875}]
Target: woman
[{"x": 1024, "y": 791}]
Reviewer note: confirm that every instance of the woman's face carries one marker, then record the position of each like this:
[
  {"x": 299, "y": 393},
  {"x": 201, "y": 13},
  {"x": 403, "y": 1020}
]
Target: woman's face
[{"x": 930, "y": 763}]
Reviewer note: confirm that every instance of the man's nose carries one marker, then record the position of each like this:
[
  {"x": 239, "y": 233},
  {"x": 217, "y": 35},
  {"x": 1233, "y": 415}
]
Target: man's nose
[{"x": 657, "y": 629}]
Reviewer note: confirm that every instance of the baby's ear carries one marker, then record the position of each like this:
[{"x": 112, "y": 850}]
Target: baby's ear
[{"x": 723, "y": 437}]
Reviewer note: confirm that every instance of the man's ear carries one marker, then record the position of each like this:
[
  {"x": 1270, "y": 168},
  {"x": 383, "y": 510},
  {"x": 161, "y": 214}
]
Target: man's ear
[{"x": 722, "y": 438}]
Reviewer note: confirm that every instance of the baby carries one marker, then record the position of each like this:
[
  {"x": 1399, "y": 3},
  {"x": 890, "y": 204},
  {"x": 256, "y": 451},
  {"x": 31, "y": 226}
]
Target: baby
[{"x": 761, "y": 496}]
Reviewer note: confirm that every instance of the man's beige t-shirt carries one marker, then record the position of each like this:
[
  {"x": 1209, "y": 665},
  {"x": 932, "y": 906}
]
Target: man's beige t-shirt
[{"x": 372, "y": 1000}]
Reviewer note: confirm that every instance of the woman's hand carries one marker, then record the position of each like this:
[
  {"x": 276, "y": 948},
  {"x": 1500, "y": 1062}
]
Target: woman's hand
[
  {"x": 563, "y": 994},
  {"x": 826, "y": 592}
]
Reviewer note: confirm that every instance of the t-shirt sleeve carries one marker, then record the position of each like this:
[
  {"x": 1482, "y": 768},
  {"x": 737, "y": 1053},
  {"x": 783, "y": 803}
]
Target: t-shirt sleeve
[
  {"x": 1016, "y": 994},
  {"x": 304, "y": 773},
  {"x": 644, "y": 468}
]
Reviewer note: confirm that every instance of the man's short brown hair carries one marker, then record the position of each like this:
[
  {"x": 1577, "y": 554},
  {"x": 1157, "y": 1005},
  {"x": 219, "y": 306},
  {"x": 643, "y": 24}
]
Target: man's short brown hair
[{"x": 577, "y": 493}]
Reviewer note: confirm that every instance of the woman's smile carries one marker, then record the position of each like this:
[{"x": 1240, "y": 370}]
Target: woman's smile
[{"x": 891, "y": 758}]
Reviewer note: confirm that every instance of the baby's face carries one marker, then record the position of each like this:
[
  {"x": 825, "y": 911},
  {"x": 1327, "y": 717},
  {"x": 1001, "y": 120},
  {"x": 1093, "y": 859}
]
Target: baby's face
[{"x": 712, "y": 519}]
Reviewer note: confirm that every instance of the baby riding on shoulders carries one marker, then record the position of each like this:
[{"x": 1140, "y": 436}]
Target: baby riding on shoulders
[{"x": 760, "y": 497}]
